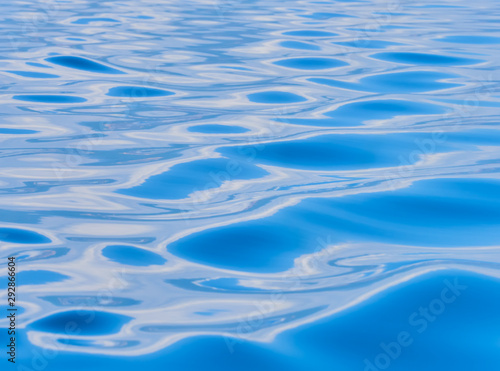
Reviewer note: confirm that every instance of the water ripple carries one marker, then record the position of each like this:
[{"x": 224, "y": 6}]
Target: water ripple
[{"x": 263, "y": 185}]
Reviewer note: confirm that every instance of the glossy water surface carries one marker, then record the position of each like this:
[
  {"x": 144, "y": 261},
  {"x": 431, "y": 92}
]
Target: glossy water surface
[{"x": 252, "y": 185}]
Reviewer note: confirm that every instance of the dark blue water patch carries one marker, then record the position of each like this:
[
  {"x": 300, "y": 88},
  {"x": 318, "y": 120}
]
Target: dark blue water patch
[
  {"x": 36, "y": 75},
  {"x": 91, "y": 20},
  {"x": 137, "y": 92},
  {"x": 417, "y": 325},
  {"x": 15, "y": 235},
  {"x": 425, "y": 59},
  {"x": 130, "y": 255},
  {"x": 217, "y": 129},
  {"x": 75, "y": 39},
  {"x": 368, "y": 43},
  {"x": 310, "y": 63},
  {"x": 475, "y": 138},
  {"x": 436, "y": 213},
  {"x": 82, "y": 322},
  {"x": 89, "y": 301},
  {"x": 184, "y": 179},
  {"x": 310, "y": 33},
  {"x": 39, "y": 277},
  {"x": 299, "y": 45},
  {"x": 471, "y": 39},
  {"x": 339, "y": 152},
  {"x": 83, "y": 64},
  {"x": 5, "y": 308},
  {"x": 399, "y": 82},
  {"x": 275, "y": 97},
  {"x": 58, "y": 99},
  {"x": 211, "y": 355},
  {"x": 17, "y": 131},
  {"x": 255, "y": 246}
]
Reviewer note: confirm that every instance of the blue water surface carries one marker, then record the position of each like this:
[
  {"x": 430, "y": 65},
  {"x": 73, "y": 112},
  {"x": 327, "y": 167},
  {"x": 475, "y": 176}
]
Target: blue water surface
[{"x": 251, "y": 185}]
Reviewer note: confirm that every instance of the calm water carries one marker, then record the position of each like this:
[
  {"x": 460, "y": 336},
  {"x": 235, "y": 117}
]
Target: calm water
[{"x": 251, "y": 185}]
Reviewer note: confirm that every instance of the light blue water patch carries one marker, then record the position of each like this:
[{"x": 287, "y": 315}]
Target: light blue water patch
[
  {"x": 217, "y": 129},
  {"x": 132, "y": 155},
  {"x": 39, "y": 277},
  {"x": 16, "y": 235},
  {"x": 186, "y": 178},
  {"x": 34, "y": 64},
  {"x": 310, "y": 63},
  {"x": 325, "y": 15},
  {"x": 137, "y": 92},
  {"x": 88, "y": 322},
  {"x": 275, "y": 97},
  {"x": 299, "y": 45},
  {"x": 83, "y": 64},
  {"x": 471, "y": 39},
  {"x": 425, "y": 59},
  {"x": 470, "y": 102},
  {"x": 89, "y": 301},
  {"x": 57, "y": 99},
  {"x": 359, "y": 112},
  {"x": 368, "y": 43},
  {"x": 130, "y": 255},
  {"x": 400, "y": 82},
  {"x": 438, "y": 6},
  {"x": 41, "y": 254}
]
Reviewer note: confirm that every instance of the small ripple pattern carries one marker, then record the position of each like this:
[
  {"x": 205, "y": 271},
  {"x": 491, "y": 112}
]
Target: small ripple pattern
[{"x": 212, "y": 185}]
